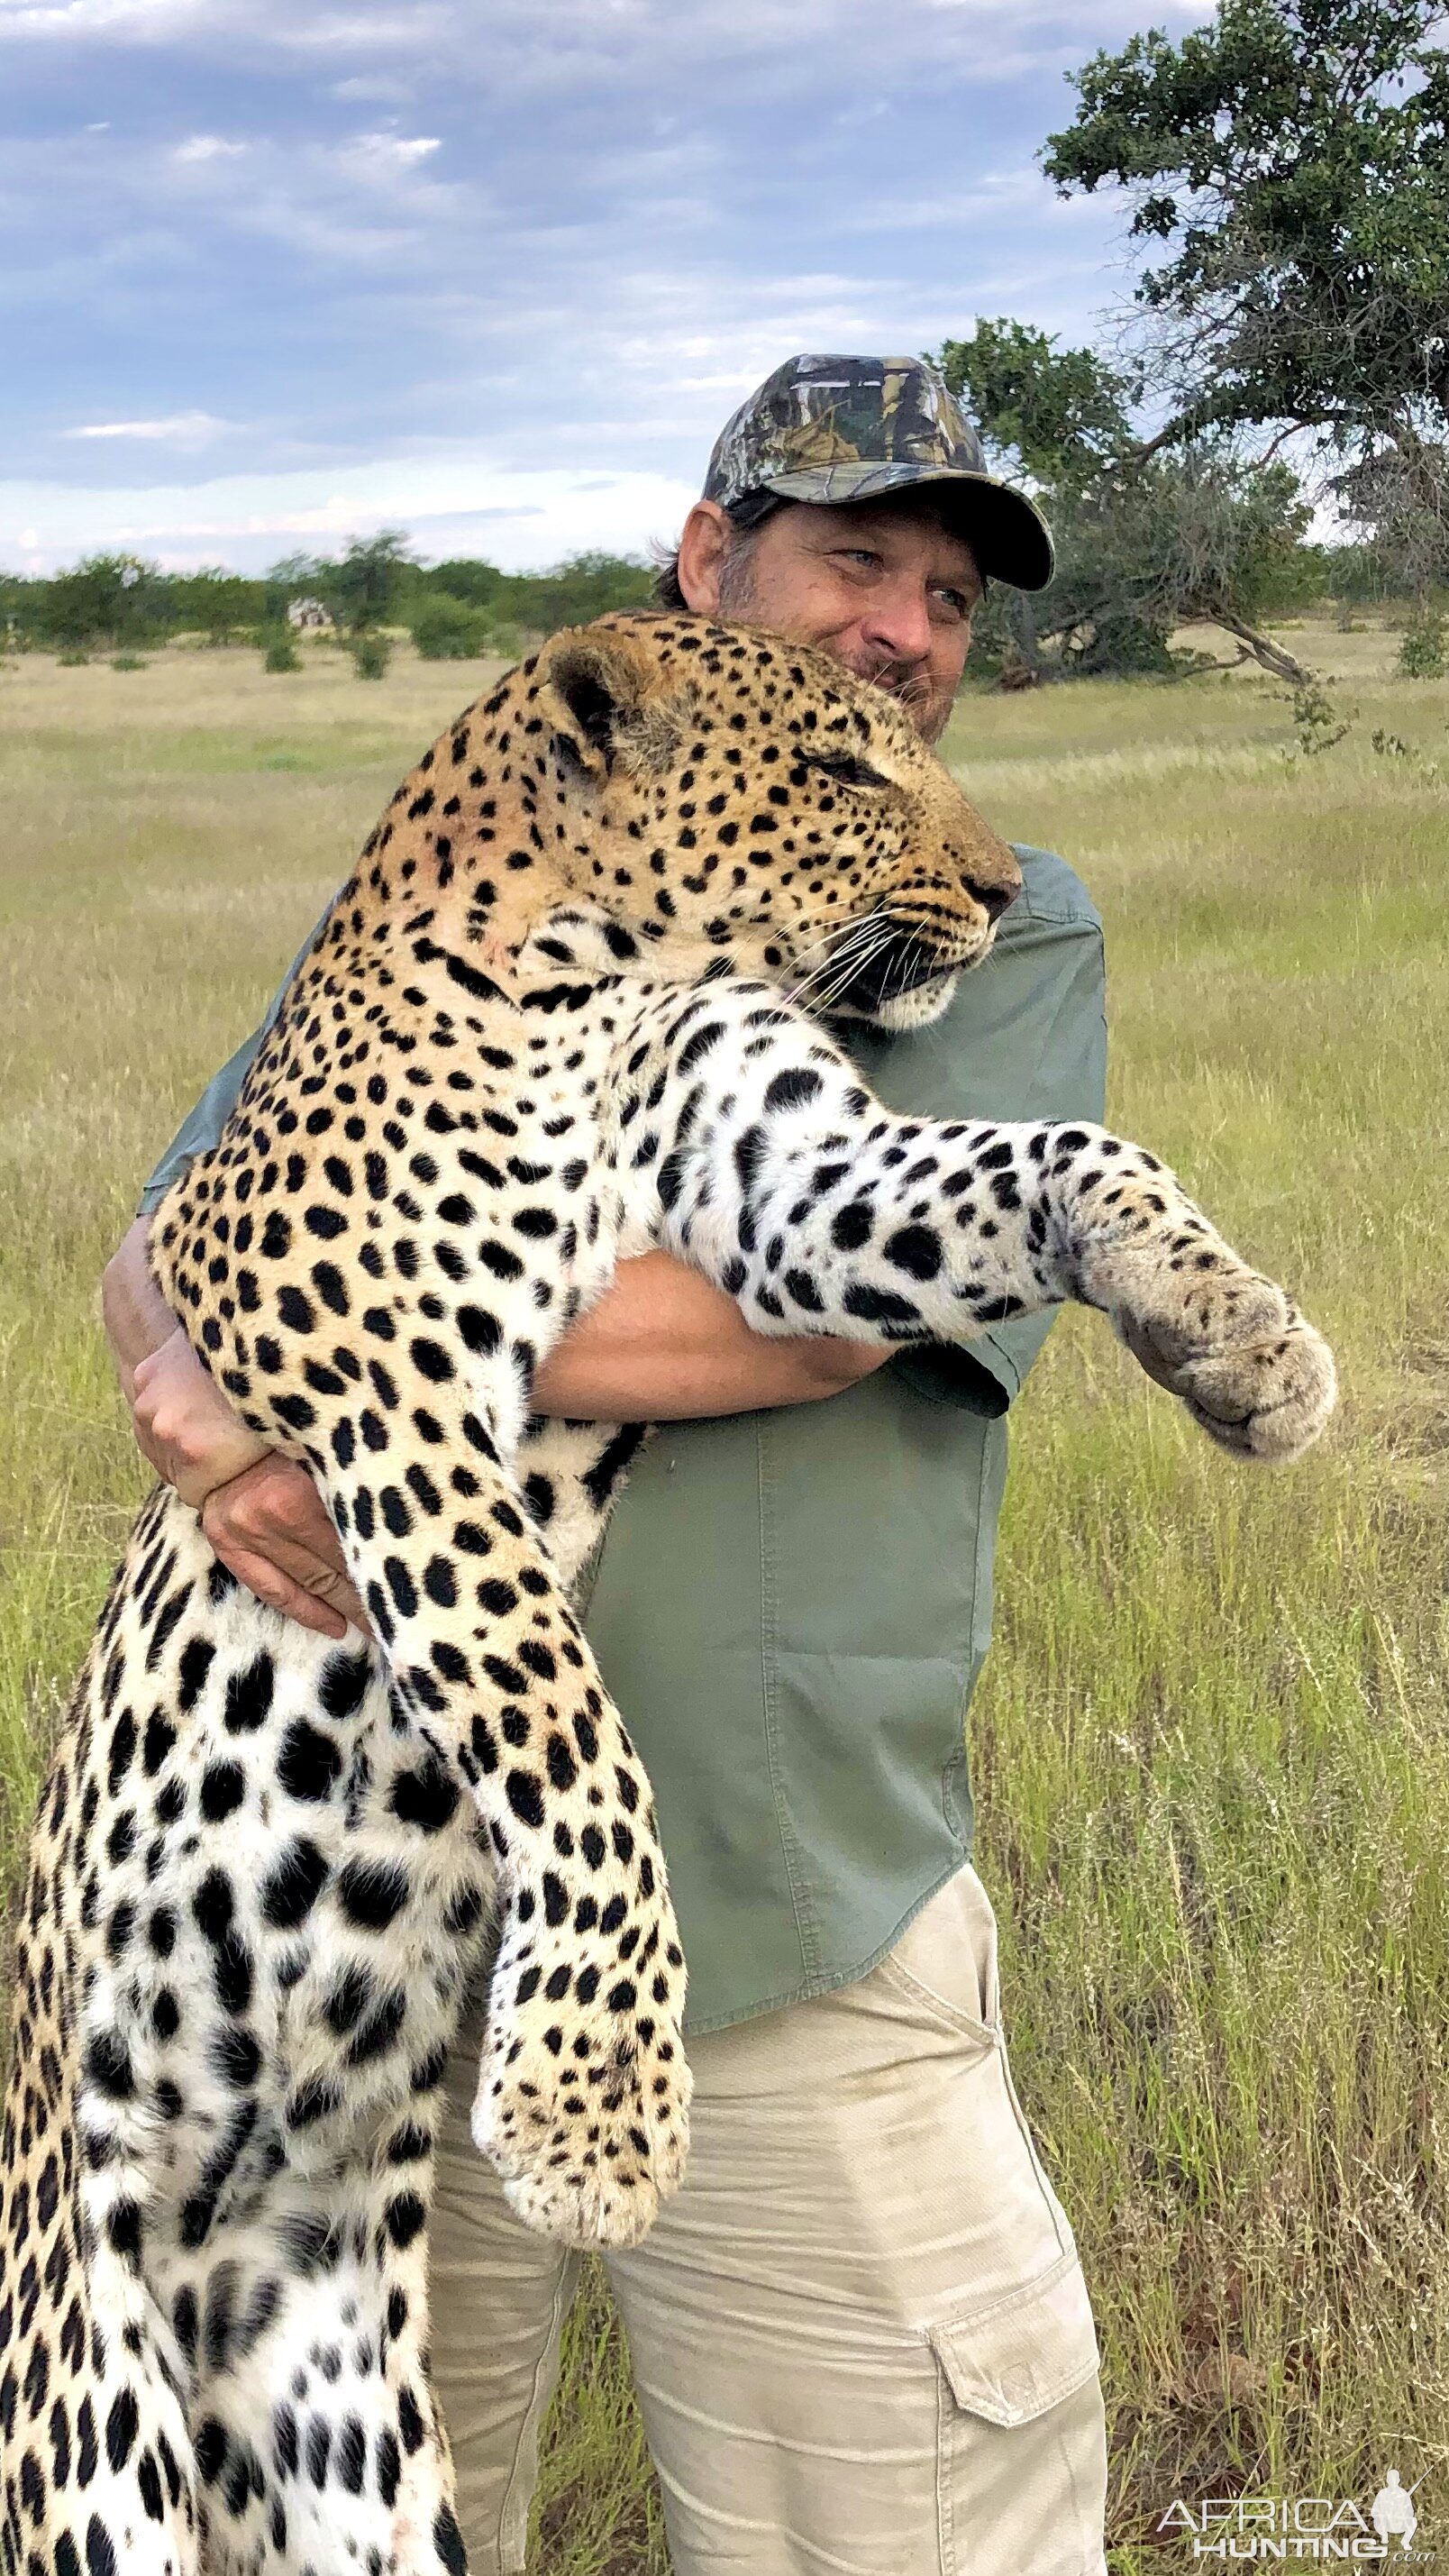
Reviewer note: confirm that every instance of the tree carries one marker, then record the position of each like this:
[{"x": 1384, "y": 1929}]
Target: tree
[
  {"x": 1057, "y": 415},
  {"x": 1143, "y": 545},
  {"x": 445, "y": 629},
  {"x": 583, "y": 587},
  {"x": 364, "y": 588},
  {"x": 1198, "y": 537},
  {"x": 509, "y": 605},
  {"x": 1399, "y": 494},
  {"x": 292, "y": 577},
  {"x": 214, "y": 601},
  {"x": 118, "y": 600},
  {"x": 1292, "y": 159},
  {"x": 472, "y": 580}
]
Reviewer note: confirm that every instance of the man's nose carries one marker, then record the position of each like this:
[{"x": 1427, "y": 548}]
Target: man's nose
[{"x": 898, "y": 622}]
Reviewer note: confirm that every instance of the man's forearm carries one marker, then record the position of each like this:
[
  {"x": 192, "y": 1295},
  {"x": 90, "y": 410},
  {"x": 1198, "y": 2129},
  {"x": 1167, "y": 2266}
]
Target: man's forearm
[
  {"x": 137, "y": 1317},
  {"x": 662, "y": 1345}
]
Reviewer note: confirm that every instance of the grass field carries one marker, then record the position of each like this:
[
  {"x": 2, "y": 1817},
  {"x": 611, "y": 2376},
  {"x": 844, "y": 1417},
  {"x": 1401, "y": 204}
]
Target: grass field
[{"x": 1212, "y": 1749}]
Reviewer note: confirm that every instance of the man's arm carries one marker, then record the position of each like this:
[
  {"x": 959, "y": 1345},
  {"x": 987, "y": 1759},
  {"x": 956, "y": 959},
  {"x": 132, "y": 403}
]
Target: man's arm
[
  {"x": 665, "y": 1346},
  {"x": 662, "y": 1345}
]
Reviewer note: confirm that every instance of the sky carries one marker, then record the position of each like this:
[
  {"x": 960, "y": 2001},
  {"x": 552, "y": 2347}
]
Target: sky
[{"x": 494, "y": 271}]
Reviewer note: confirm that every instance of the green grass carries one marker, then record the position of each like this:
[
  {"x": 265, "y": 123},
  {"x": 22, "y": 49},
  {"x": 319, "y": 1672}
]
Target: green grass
[{"x": 1212, "y": 1748}]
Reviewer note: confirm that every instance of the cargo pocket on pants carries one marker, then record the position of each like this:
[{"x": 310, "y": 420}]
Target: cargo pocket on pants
[{"x": 1022, "y": 2468}]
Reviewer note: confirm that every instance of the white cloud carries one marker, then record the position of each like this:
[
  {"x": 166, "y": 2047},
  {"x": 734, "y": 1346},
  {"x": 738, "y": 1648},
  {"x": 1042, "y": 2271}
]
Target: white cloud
[
  {"x": 394, "y": 151},
  {"x": 135, "y": 21},
  {"x": 994, "y": 196},
  {"x": 315, "y": 234},
  {"x": 208, "y": 147},
  {"x": 183, "y": 429}
]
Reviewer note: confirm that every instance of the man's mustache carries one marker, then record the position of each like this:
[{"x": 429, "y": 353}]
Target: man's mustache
[{"x": 907, "y": 682}]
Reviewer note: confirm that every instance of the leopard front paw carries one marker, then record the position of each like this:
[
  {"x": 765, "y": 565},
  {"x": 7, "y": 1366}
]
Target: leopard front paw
[
  {"x": 583, "y": 2092},
  {"x": 1229, "y": 1343}
]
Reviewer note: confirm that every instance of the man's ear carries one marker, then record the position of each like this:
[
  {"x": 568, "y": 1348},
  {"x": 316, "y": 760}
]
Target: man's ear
[{"x": 594, "y": 686}]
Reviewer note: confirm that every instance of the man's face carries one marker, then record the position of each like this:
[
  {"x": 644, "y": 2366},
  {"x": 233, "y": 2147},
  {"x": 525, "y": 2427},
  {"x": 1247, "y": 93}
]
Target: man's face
[{"x": 883, "y": 586}]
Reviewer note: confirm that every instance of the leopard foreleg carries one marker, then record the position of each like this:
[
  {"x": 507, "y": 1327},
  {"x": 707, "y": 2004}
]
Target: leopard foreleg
[{"x": 820, "y": 1210}]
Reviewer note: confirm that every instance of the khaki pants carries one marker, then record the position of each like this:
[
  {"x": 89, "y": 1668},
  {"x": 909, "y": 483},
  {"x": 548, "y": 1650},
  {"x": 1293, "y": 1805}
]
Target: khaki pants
[{"x": 860, "y": 2334}]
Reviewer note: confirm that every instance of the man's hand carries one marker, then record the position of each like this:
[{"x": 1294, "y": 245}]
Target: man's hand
[
  {"x": 262, "y": 1513},
  {"x": 184, "y": 1424},
  {"x": 271, "y": 1527}
]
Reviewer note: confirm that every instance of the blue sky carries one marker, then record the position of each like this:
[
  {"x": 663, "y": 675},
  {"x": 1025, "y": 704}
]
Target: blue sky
[{"x": 494, "y": 270}]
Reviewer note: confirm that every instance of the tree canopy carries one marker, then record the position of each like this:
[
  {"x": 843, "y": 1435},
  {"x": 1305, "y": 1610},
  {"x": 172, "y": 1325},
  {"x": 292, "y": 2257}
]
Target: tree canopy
[
  {"x": 1144, "y": 545},
  {"x": 1291, "y": 160},
  {"x": 1057, "y": 415}
]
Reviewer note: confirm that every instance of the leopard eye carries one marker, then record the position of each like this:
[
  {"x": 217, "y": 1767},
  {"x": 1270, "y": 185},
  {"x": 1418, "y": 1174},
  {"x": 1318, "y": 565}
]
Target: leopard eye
[{"x": 850, "y": 771}]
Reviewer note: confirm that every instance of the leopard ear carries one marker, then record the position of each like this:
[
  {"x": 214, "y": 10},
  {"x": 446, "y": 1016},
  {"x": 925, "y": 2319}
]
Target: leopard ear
[{"x": 595, "y": 685}]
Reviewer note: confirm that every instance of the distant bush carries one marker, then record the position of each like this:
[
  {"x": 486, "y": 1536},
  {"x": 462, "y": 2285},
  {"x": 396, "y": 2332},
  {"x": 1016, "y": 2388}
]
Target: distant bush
[
  {"x": 122, "y": 603},
  {"x": 72, "y": 661},
  {"x": 467, "y": 577},
  {"x": 512, "y": 606},
  {"x": 279, "y": 653},
  {"x": 445, "y": 629},
  {"x": 129, "y": 662},
  {"x": 1423, "y": 651},
  {"x": 508, "y": 642},
  {"x": 106, "y": 600},
  {"x": 371, "y": 655}
]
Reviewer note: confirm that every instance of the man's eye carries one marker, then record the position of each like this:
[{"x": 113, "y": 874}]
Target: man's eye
[
  {"x": 956, "y": 601},
  {"x": 859, "y": 555},
  {"x": 849, "y": 771}
]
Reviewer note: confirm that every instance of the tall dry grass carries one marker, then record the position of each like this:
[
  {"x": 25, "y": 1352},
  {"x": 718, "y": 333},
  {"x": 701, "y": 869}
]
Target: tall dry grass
[{"x": 1212, "y": 1748}]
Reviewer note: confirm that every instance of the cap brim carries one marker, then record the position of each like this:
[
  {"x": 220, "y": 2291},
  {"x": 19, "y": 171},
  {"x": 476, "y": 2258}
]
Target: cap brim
[{"x": 1004, "y": 529}]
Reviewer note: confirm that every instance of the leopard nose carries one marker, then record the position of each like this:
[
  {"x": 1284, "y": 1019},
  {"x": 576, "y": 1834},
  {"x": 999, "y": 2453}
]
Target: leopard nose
[{"x": 993, "y": 899}]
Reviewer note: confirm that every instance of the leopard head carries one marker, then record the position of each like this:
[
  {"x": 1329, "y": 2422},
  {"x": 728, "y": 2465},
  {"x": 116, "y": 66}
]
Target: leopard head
[{"x": 725, "y": 794}]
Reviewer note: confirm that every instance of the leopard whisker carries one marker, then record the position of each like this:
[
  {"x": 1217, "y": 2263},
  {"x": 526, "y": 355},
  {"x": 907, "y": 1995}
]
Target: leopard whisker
[{"x": 847, "y": 952}]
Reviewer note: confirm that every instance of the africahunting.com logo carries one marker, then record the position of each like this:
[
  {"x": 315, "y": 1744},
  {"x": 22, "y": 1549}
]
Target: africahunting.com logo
[{"x": 1270, "y": 2528}]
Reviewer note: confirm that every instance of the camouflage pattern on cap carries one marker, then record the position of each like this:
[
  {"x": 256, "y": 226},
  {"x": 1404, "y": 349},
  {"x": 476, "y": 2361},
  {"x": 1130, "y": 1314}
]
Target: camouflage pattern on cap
[{"x": 848, "y": 429}]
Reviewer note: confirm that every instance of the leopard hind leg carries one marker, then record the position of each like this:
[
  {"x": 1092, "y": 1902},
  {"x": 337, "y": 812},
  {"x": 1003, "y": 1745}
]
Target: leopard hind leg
[
  {"x": 318, "y": 2448},
  {"x": 95, "y": 2457}
]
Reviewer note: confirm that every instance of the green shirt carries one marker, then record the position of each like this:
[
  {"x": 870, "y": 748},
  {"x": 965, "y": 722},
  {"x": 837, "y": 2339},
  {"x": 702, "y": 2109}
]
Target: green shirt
[{"x": 792, "y": 1607}]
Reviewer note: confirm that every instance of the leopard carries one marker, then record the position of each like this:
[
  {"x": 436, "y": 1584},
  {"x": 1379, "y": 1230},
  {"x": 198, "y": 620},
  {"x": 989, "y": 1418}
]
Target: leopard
[{"x": 587, "y": 992}]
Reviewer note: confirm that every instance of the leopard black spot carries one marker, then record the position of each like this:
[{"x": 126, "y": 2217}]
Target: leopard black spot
[
  {"x": 291, "y": 1889},
  {"x": 525, "y": 1797},
  {"x": 372, "y": 1893},
  {"x": 249, "y": 1696},
  {"x": 426, "y": 1797},
  {"x": 916, "y": 1249}
]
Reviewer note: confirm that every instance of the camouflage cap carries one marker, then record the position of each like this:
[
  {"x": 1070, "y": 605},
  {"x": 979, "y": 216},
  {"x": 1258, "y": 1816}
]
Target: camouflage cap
[{"x": 849, "y": 429}]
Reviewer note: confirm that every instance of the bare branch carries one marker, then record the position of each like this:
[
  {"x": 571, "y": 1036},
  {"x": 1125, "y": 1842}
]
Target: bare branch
[{"x": 1264, "y": 650}]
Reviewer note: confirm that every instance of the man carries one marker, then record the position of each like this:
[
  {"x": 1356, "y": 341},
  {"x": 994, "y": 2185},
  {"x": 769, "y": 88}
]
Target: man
[{"x": 860, "y": 2333}]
